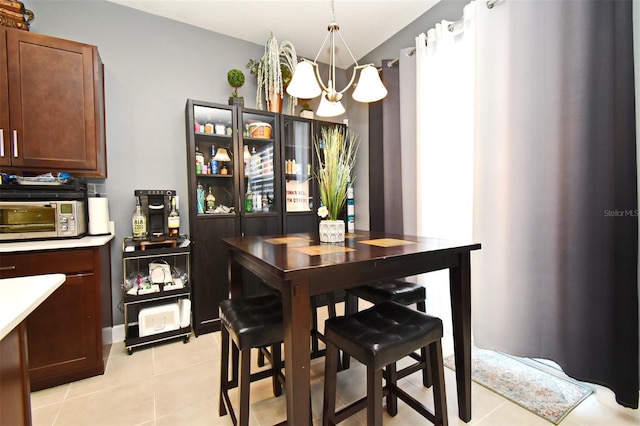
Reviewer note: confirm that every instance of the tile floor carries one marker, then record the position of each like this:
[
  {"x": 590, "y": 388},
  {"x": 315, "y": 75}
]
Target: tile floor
[{"x": 177, "y": 384}]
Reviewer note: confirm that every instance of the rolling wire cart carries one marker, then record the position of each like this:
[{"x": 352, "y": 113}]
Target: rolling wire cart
[{"x": 156, "y": 291}]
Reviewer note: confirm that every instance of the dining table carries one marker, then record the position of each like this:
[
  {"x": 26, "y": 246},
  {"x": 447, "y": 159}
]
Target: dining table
[{"x": 299, "y": 266}]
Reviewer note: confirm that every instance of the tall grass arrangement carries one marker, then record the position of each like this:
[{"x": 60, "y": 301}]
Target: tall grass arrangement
[{"x": 336, "y": 150}]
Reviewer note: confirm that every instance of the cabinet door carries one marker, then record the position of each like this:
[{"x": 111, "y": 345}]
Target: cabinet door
[
  {"x": 65, "y": 331},
  {"x": 55, "y": 104},
  {"x": 298, "y": 166},
  {"x": 262, "y": 212},
  {"x": 5, "y": 135},
  {"x": 209, "y": 277},
  {"x": 211, "y": 156},
  {"x": 211, "y": 128},
  {"x": 62, "y": 330}
]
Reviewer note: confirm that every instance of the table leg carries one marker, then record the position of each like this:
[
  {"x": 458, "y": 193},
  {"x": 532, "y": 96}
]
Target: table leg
[
  {"x": 460, "y": 287},
  {"x": 235, "y": 278},
  {"x": 296, "y": 306}
]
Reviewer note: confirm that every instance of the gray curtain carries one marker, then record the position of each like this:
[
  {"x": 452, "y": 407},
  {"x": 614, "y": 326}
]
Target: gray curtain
[
  {"x": 385, "y": 159},
  {"x": 555, "y": 196}
]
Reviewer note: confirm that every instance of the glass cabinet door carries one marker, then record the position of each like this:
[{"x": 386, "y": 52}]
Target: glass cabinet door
[
  {"x": 259, "y": 163},
  {"x": 298, "y": 165},
  {"x": 213, "y": 157}
]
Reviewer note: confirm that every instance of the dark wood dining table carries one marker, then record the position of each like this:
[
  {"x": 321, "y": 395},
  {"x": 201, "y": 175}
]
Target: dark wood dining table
[{"x": 299, "y": 266}]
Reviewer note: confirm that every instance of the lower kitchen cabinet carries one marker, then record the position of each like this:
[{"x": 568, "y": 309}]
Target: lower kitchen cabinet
[{"x": 65, "y": 332}]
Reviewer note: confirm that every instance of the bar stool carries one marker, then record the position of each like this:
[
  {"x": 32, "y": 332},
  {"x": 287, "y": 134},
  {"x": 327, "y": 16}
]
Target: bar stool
[
  {"x": 252, "y": 322},
  {"x": 328, "y": 300},
  {"x": 379, "y": 337},
  {"x": 404, "y": 293}
]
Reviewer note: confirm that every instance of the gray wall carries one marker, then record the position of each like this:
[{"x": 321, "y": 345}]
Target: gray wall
[{"x": 152, "y": 65}]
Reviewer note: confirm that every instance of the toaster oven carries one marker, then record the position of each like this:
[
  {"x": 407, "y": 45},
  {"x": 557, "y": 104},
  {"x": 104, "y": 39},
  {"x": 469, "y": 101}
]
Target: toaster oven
[{"x": 42, "y": 212}]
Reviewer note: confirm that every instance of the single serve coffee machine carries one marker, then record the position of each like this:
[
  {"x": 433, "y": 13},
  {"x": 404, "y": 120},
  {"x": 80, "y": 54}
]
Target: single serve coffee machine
[{"x": 156, "y": 206}]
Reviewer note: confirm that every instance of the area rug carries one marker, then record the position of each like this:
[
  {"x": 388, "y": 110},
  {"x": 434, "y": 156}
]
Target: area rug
[{"x": 538, "y": 391}]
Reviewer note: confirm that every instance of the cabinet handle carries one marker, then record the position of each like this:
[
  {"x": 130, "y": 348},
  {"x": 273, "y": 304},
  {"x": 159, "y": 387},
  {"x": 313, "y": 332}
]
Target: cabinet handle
[
  {"x": 15, "y": 144},
  {"x": 2, "y": 143},
  {"x": 7, "y": 268}
]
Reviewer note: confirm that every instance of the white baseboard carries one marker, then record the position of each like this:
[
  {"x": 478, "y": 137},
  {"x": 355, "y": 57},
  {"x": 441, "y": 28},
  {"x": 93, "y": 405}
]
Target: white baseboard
[{"x": 117, "y": 333}]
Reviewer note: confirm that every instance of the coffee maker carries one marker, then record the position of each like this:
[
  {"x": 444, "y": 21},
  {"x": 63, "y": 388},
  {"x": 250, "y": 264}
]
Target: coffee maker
[{"x": 156, "y": 206}]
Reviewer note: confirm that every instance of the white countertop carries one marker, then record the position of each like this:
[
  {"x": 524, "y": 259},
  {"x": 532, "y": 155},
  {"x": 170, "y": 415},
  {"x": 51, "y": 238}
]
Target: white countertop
[
  {"x": 20, "y": 296},
  {"x": 53, "y": 244}
]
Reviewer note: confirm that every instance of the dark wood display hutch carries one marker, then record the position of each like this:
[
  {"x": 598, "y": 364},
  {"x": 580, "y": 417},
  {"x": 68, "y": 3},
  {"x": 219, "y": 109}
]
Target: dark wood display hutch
[
  {"x": 288, "y": 195},
  {"x": 51, "y": 90}
]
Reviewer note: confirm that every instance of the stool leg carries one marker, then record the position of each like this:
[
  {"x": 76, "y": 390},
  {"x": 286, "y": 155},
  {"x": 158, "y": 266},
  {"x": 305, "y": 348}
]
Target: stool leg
[
  {"x": 261, "y": 360},
  {"x": 350, "y": 307},
  {"x": 243, "y": 386},
  {"x": 224, "y": 370},
  {"x": 330, "y": 381},
  {"x": 427, "y": 380},
  {"x": 374, "y": 396},
  {"x": 439, "y": 394},
  {"x": 391, "y": 375},
  {"x": 234, "y": 363}
]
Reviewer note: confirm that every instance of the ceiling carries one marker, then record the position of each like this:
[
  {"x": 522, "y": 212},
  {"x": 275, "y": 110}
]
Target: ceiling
[{"x": 364, "y": 24}]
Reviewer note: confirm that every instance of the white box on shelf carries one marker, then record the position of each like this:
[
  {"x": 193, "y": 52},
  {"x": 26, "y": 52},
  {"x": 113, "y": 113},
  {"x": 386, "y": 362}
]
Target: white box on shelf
[
  {"x": 158, "y": 319},
  {"x": 185, "y": 312}
]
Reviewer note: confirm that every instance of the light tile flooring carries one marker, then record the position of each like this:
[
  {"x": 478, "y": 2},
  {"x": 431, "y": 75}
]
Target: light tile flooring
[{"x": 177, "y": 384}]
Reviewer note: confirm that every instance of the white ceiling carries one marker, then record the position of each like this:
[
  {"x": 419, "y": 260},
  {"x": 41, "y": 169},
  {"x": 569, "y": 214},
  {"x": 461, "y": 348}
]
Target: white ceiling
[{"x": 364, "y": 24}]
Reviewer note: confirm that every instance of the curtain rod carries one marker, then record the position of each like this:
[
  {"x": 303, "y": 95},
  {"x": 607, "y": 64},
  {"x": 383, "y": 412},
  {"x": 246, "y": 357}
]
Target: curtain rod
[{"x": 451, "y": 27}]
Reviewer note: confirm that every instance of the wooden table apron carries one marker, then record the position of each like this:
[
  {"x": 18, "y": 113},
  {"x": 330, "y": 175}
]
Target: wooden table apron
[{"x": 298, "y": 285}]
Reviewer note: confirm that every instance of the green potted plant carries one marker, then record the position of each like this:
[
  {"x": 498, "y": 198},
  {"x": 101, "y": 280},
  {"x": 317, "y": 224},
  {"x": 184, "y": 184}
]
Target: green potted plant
[
  {"x": 336, "y": 150},
  {"x": 273, "y": 73},
  {"x": 235, "y": 78},
  {"x": 306, "y": 111}
]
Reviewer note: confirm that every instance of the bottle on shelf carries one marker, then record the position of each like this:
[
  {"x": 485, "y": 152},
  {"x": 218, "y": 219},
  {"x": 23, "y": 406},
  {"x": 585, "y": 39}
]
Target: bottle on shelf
[
  {"x": 213, "y": 164},
  {"x": 173, "y": 220},
  {"x": 139, "y": 221},
  {"x": 199, "y": 161},
  {"x": 210, "y": 201},
  {"x": 246, "y": 159},
  {"x": 257, "y": 200},
  {"x": 200, "y": 198},
  {"x": 248, "y": 201},
  {"x": 351, "y": 209}
]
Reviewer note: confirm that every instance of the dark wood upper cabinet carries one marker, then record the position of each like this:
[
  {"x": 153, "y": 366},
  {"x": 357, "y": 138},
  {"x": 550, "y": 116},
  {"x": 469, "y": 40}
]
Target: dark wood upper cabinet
[{"x": 51, "y": 105}]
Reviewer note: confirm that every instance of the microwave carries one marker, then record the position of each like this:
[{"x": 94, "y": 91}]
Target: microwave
[{"x": 22, "y": 220}]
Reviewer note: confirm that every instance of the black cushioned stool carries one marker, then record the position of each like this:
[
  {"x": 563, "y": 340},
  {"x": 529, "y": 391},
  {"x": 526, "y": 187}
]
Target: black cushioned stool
[
  {"x": 378, "y": 337},
  {"x": 404, "y": 293},
  {"x": 252, "y": 322}
]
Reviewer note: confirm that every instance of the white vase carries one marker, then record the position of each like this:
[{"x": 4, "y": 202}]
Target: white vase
[{"x": 331, "y": 231}]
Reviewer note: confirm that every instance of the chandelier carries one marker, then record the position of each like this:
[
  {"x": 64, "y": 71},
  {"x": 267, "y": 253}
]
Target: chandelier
[{"x": 306, "y": 82}]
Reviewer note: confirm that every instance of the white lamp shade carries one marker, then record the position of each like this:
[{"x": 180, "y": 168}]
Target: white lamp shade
[
  {"x": 222, "y": 155},
  {"x": 328, "y": 108},
  {"x": 370, "y": 87},
  {"x": 303, "y": 83}
]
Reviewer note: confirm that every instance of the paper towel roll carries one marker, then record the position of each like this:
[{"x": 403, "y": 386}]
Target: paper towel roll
[{"x": 98, "y": 216}]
